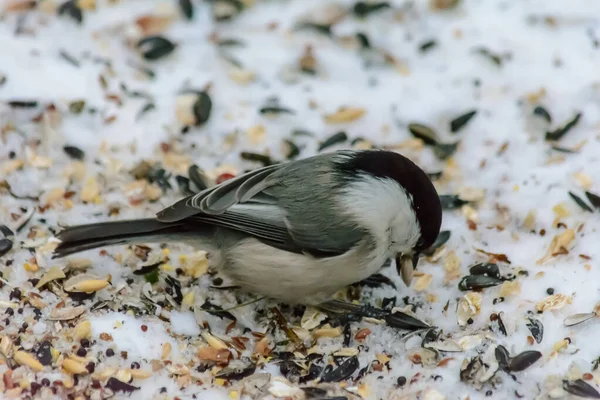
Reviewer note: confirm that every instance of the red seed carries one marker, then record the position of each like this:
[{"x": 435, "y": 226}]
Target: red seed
[
  {"x": 224, "y": 177},
  {"x": 144, "y": 328},
  {"x": 362, "y": 334}
]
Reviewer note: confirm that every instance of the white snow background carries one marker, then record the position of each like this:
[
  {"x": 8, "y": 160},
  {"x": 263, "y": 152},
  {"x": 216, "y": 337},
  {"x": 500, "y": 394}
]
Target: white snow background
[{"x": 547, "y": 46}]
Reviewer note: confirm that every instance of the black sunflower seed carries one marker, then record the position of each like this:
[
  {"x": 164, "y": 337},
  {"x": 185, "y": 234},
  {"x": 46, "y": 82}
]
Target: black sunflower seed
[
  {"x": 230, "y": 42},
  {"x": 428, "y": 45},
  {"x": 503, "y": 357},
  {"x": 488, "y": 269},
  {"x": 563, "y": 150},
  {"x": 333, "y": 140},
  {"x": 71, "y": 9},
  {"x": 76, "y": 107},
  {"x": 362, "y": 9},
  {"x": 452, "y": 201},
  {"x": 494, "y": 58},
  {"x": 256, "y": 157},
  {"x": 74, "y": 152},
  {"x": 146, "y": 269},
  {"x": 442, "y": 238},
  {"x": 594, "y": 199},
  {"x": 314, "y": 370},
  {"x": 289, "y": 149},
  {"x": 43, "y": 353},
  {"x": 118, "y": 386},
  {"x": 323, "y": 29},
  {"x": 558, "y": 133},
  {"x": 276, "y": 110},
  {"x": 471, "y": 282},
  {"x": 401, "y": 320},
  {"x": 183, "y": 184},
  {"x": 202, "y": 107},
  {"x": 315, "y": 393},
  {"x": 423, "y": 132},
  {"x": 344, "y": 371},
  {"x": 542, "y": 113},
  {"x": 217, "y": 311},
  {"x": 196, "y": 175},
  {"x": 176, "y": 286},
  {"x": 457, "y": 123},
  {"x": 363, "y": 40},
  {"x": 581, "y": 388},
  {"x": 23, "y": 103},
  {"x": 376, "y": 280},
  {"x": 187, "y": 8},
  {"x": 501, "y": 325},
  {"x": 80, "y": 297},
  {"x": 524, "y": 360},
  {"x": 147, "y": 107},
  {"x": 536, "y": 328},
  {"x": 443, "y": 151},
  {"x": 235, "y": 374},
  {"x": 155, "y": 47},
  {"x": 5, "y": 246},
  {"x": 580, "y": 202},
  {"x": 69, "y": 58}
]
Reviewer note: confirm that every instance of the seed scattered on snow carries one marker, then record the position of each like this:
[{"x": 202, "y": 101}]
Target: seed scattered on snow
[
  {"x": 27, "y": 359},
  {"x": 577, "y": 319},
  {"x": 554, "y": 302},
  {"x": 345, "y": 115}
]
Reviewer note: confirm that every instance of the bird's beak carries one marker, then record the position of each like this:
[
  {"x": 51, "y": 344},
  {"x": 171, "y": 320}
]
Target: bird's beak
[{"x": 406, "y": 265}]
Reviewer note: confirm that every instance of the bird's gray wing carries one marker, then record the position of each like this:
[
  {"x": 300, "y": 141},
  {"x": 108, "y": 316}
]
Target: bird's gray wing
[{"x": 261, "y": 204}]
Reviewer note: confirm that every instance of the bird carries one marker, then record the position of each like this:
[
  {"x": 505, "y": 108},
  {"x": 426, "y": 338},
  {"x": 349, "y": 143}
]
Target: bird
[{"x": 296, "y": 232}]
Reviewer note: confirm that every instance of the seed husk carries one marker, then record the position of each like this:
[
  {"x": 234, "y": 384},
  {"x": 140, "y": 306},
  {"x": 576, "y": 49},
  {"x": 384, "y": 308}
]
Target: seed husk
[
  {"x": 256, "y": 157},
  {"x": 452, "y": 201},
  {"x": 53, "y": 273},
  {"x": 472, "y": 282},
  {"x": 147, "y": 107},
  {"x": 494, "y": 58},
  {"x": 594, "y": 199},
  {"x": 363, "y": 9},
  {"x": 276, "y": 110},
  {"x": 72, "y": 10},
  {"x": 581, "y": 388},
  {"x": 333, "y": 140},
  {"x": 523, "y": 360},
  {"x": 202, "y": 107},
  {"x": 224, "y": 10},
  {"x": 74, "y": 152},
  {"x": 44, "y": 353},
  {"x": 289, "y": 149},
  {"x": 536, "y": 328},
  {"x": 580, "y": 202},
  {"x": 5, "y": 246},
  {"x": 577, "y": 319},
  {"x": 187, "y": 9},
  {"x": 459, "y": 122},
  {"x": 423, "y": 132},
  {"x": 542, "y": 113},
  {"x": 25, "y": 358},
  {"x": 118, "y": 386},
  {"x": 428, "y": 45},
  {"x": 443, "y": 151},
  {"x": 323, "y": 29},
  {"x": 558, "y": 133},
  {"x": 503, "y": 357},
  {"x": 342, "y": 372},
  {"x": 196, "y": 175},
  {"x": 235, "y": 374},
  {"x": 23, "y": 103},
  {"x": 155, "y": 47},
  {"x": 441, "y": 240}
]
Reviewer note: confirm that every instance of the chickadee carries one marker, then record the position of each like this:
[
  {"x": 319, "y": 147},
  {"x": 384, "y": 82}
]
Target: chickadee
[{"x": 296, "y": 232}]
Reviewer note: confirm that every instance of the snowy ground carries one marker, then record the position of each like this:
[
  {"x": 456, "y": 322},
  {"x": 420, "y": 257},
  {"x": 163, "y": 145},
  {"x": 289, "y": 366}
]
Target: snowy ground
[{"x": 69, "y": 84}]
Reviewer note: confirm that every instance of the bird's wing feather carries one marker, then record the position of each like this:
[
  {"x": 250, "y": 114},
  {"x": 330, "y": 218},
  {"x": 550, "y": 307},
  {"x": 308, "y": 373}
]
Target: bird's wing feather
[{"x": 260, "y": 204}]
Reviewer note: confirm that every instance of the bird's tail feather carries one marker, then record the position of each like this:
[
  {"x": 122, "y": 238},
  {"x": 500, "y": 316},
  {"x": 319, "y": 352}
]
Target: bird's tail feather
[{"x": 91, "y": 236}]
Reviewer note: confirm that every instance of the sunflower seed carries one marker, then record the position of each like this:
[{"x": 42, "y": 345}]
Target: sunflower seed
[
  {"x": 441, "y": 240},
  {"x": 577, "y": 319},
  {"x": 471, "y": 282},
  {"x": 459, "y": 122},
  {"x": 155, "y": 47},
  {"x": 542, "y": 113},
  {"x": 261, "y": 158},
  {"x": 71, "y": 9},
  {"x": 428, "y": 45},
  {"x": 558, "y": 133},
  {"x": 594, "y": 199},
  {"x": 23, "y": 103},
  {"x": 74, "y": 152},
  {"x": 580, "y": 202},
  {"x": 69, "y": 58},
  {"x": 581, "y": 388},
  {"x": 235, "y": 374},
  {"x": 276, "y": 110},
  {"x": 452, "y": 201},
  {"x": 363, "y": 40},
  {"x": 5, "y": 246},
  {"x": 289, "y": 149},
  {"x": 187, "y": 8},
  {"x": 503, "y": 357},
  {"x": 444, "y": 151},
  {"x": 333, "y": 140},
  {"x": 494, "y": 58},
  {"x": 488, "y": 269},
  {"x": 342, "y": 372},
  {"x": 363, "y": 9},
  {"x": 536, "y": 328},
  {"x": 524, "y": 360},
  {"x": 423, "y": 132},
  {"x": 323, "y": 29}
]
